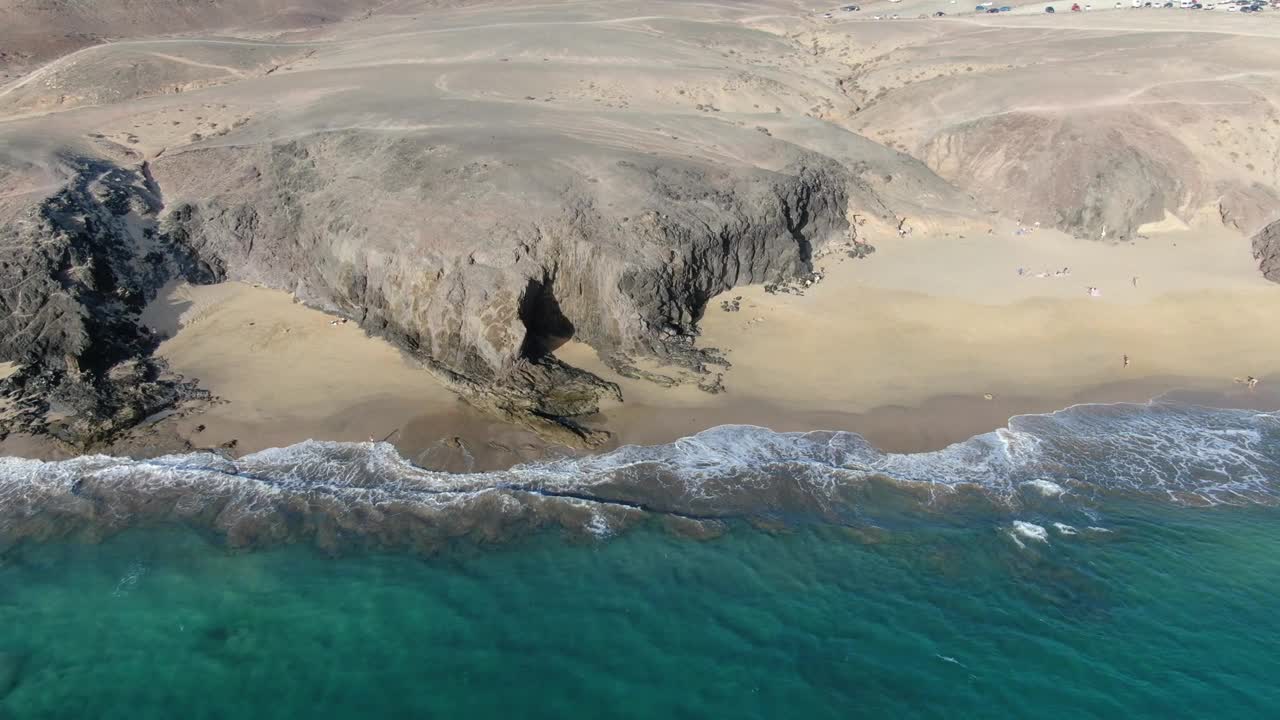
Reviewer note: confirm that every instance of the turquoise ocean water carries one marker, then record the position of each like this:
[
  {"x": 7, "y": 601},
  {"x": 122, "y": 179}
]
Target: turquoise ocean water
[{"x": 1107, "y": 561}]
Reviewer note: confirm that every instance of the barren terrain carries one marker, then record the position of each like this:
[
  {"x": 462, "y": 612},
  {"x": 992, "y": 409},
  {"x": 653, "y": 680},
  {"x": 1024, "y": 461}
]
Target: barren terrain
[{"x": 480, "y": 183}]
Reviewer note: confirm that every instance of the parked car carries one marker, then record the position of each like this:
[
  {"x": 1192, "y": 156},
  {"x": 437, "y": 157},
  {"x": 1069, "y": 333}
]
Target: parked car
[
  {"x": 939, "y": 14},
  {"x": 1050, "y": 10},
  {"x": 1075, "y": 7},
  {"x": 993, "y": 11},
  {"x": 1005, "y": 8}
]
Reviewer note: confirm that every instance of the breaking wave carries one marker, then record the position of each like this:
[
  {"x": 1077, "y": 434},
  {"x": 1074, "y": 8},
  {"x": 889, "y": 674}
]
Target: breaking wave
[{"x": 336, "y": 493}]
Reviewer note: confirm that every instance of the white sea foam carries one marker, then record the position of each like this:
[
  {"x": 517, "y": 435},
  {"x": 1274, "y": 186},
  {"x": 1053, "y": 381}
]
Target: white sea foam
[
  {"x": 1064, "y": 529},
  {"x": 1030, "y": 531},
  {"x": 1048, "y": 488},
  {"x": 1182, "y": 453},
  {"x": 598, "y": 525}
]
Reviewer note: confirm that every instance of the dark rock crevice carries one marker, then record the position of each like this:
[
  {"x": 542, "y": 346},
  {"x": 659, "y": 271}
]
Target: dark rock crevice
[{"x": 546, "y": 327}]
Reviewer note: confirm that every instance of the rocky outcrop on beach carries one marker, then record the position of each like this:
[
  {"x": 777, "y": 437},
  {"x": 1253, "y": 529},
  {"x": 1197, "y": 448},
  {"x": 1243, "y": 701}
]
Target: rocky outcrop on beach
[
  {"x": 78, "y": 269},
  {"x": 518, "y": 258},
  {"x": 500, "y": 260},
  {"x": 1266, "y": 249}
]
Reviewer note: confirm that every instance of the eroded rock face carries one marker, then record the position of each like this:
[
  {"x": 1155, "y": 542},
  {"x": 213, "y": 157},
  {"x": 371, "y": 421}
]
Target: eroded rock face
[
  {"x": 1266, "y": 248},
  {"x": 457, "y": 258},
  {"x": 479, "y": 268},
  {"x": 78, "y": 269}
]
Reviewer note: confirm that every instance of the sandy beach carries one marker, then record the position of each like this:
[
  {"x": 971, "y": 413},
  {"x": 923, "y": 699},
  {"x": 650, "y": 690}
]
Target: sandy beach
[
  {"x": 939, "y": 324},
  {"x": 905, "y": 346}
]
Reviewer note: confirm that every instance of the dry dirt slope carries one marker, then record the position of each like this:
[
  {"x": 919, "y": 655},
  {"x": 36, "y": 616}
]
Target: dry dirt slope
[
  {"x": 38, "y": 30},
  {"x": 1095, "y": 124}
]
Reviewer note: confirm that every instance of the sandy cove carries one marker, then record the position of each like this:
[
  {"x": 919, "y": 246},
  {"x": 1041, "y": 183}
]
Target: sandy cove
[{"x": 903, "y": 347}]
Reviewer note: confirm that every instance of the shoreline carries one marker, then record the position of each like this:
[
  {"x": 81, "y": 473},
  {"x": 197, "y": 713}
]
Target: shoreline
[
  {"x": 462, "y": 439},
  {"x": 945, "y": 420},
  {"x": 864, "y": 351}
]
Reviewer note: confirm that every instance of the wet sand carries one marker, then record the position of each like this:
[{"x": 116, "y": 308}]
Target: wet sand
[{"x": 933, "y": 425}]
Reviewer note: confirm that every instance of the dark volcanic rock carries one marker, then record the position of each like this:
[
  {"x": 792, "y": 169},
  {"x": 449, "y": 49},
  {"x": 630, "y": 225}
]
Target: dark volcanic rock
[
  {"x": 1266, "y": 248},
  {"x": 77, "y": 271}
]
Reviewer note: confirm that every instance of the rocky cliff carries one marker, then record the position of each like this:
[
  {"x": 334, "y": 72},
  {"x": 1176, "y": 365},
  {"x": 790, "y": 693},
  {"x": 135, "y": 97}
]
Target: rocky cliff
[
  {"x": 78, "y": 268},
  {"x": 478, "y": 268}
]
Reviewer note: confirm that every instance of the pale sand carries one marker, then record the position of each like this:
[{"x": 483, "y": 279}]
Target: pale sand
[
  {"x": 283, "y": 372},
  {"x": 901, "y": 347},
  {"x": 943, "y": 316},
  {"x": 904, "y": 346}
]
